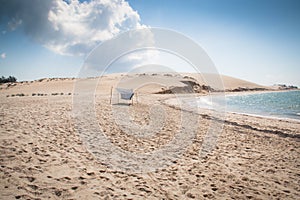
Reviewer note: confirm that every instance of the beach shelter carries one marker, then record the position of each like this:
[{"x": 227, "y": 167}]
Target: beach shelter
[{"x": 126, "y": 94}]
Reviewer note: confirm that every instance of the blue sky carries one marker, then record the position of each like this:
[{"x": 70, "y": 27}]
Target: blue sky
[{"x": 255, "y": 40}]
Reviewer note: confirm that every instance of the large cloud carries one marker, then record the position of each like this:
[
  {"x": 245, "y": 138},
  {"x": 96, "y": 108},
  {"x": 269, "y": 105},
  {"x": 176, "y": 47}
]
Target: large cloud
[{"x": 69, "y": 27}]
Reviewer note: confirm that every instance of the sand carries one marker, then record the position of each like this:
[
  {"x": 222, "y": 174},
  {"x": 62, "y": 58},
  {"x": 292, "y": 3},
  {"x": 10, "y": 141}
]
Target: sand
[{"x": 44, "y": 157}]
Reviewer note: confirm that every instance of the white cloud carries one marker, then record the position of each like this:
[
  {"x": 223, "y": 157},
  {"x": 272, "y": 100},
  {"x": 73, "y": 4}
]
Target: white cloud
[
  {"x": 72, "y": 27},
  {"x": 3, "y": 55}
]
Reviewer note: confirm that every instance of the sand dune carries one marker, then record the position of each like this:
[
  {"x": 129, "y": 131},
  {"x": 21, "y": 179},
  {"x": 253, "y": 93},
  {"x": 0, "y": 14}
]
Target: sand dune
[
  {"x": 164, "y": 80},
  {"x": 44, "y": 157}
]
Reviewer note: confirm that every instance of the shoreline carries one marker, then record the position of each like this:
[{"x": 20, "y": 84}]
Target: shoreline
[
  {"x": 266, "y": 117},
  {"x": 275, "y": 117},
  {"x": 241, "y": 113}
]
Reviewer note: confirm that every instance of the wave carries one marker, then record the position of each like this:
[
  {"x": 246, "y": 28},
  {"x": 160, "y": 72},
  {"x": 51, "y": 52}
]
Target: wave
[{"x": 284, "y": 105}]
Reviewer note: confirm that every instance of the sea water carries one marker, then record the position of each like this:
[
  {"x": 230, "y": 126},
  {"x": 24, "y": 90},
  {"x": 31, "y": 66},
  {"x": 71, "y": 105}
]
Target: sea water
[{"x": 284, "y": 104}]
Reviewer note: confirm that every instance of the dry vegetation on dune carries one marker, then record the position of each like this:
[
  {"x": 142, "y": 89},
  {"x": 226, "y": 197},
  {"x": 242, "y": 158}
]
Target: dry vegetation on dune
[{"x": 43, "y": 157}]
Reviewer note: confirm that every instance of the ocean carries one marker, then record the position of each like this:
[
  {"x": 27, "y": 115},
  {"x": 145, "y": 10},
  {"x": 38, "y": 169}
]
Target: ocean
[{"x": 283, "y": 104}]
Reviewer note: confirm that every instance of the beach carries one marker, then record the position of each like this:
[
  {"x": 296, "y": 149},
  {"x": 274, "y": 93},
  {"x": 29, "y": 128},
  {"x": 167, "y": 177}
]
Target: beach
[{"x": 44, "y": 157}]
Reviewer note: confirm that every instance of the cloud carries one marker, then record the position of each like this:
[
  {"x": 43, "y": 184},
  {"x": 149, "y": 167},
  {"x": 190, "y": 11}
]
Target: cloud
[
  {"x": 3, "y": 55},
  {"x": 121, "y": 54},
  {"x": 69, "y": 27}
]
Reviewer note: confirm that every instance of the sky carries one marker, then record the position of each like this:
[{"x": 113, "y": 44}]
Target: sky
[{"x": 255, "y": 40}]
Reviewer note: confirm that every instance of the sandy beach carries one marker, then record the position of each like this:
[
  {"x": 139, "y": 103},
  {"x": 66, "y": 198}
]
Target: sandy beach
[{"x": 44, "y": 157}]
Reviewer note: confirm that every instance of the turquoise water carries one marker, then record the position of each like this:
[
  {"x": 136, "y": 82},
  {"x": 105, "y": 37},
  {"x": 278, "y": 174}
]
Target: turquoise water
[
  {"x": 274, "y": 104},
  {"x": 270, "y": 104}
]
